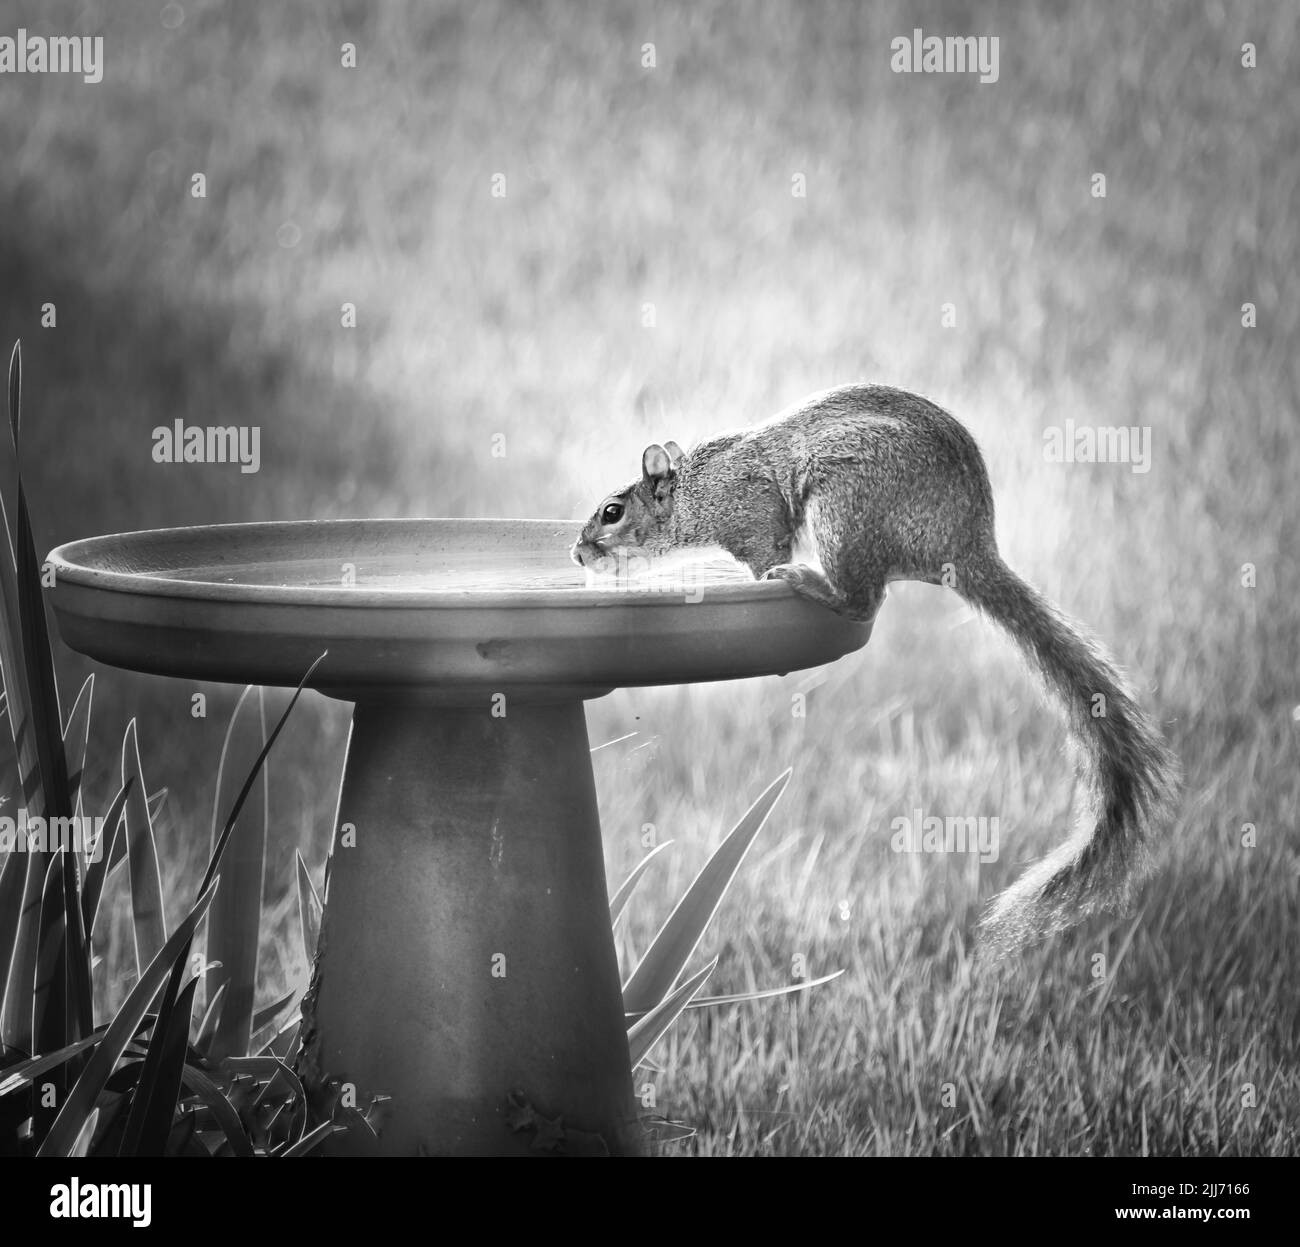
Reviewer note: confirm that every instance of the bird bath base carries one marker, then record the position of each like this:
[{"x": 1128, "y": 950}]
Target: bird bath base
[
  {"x": 465, "y": 953},
  {"x": 466, "y": 965}
]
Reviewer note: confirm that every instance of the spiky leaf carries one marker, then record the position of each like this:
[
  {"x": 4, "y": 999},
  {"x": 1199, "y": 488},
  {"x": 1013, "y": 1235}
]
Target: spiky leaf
[
  {"x": 650, "y": 1029},
  {"x": 149, "y": 922},
  {"x": 234, "y": 925},
  {"x": 81, "y": 1100},
  {"x": 667, "y": 956}
]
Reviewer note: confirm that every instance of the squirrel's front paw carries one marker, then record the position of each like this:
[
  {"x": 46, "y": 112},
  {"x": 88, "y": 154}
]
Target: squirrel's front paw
[
  {"x": 809, "y": 583},
  {"x": 794, "y": 574}
]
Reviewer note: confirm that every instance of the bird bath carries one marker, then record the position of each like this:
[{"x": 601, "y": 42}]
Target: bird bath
[{"x": 465, "y": 951}]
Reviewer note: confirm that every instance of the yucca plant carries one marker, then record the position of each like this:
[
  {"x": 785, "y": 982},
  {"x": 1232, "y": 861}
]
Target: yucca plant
[
  {"x": 155, "y": 1079},
  {"x": 655, "y": 994}
]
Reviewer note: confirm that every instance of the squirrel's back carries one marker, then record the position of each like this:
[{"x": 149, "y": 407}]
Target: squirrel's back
[{"x": 905, "y": 469}]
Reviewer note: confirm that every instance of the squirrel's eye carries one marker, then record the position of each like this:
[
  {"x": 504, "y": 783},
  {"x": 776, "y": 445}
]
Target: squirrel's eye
[{"x": 612, "y": 513}]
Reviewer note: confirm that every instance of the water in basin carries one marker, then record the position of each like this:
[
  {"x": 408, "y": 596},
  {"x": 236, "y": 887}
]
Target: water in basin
[{"x": 469, "y": 572}]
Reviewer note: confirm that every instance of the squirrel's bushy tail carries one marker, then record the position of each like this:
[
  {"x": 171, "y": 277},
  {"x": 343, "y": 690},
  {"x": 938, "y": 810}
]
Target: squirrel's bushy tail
[{"x": 1127, "y": 768}]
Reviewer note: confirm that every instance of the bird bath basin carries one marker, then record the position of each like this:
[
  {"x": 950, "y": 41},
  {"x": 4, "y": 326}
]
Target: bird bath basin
[{"x": 465, "y": 952}]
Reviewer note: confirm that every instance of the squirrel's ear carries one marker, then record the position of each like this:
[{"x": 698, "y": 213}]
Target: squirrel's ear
[
  {"x": 655, "y": 463},
  {"x": 675, "y": 454}
]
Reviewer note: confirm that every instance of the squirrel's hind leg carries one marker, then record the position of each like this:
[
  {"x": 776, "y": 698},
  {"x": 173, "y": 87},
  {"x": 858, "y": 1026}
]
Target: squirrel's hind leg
[
  {"x": 852, "y": 582},
  {"x": 861, "y": 605}
]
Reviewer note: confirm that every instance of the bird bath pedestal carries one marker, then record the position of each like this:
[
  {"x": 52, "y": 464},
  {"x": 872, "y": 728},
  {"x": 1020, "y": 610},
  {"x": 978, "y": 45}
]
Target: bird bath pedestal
[{"x": 465, "y": 953}]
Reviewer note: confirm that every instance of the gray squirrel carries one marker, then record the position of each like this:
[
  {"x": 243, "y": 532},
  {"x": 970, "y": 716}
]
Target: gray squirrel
[{"x": 889, "y": 486}]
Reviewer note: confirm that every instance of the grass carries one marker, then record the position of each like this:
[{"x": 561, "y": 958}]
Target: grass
[{"x": 523, "y": 317}]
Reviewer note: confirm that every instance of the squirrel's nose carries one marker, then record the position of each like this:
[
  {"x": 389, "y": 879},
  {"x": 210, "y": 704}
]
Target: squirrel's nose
[{"x": 575, "y": 553}]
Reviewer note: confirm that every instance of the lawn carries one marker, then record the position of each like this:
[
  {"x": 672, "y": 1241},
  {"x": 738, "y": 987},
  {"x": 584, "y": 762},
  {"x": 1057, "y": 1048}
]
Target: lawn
[{"x": 650, "y": 274}]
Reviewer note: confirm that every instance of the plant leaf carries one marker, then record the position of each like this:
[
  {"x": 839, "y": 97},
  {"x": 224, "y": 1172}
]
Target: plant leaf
[
  {"x": 667, "y": 955},
  {"x": 647, "y": 1031},
  {"x": 153, "y": 1104},
  {"x": 208, "y": 1026},
  {"x": 16, "y": 390},
  {"x": 309, "y": 912},
  {"x": 172, "y": 991},
  {"x": 235, "y": 922},
  {"x": 274, "y": 1015},
  {"x": 26, "y": 1072},
  {"x": 704, "y": 1002},
  {"x": 81, "y": 1145},
  {"x": 297, "y": 1092},
  {"x": 104, "y": 857},
  {"x": 51, "y": 1025},
  {"x": 768, "y": 993},
  {"x": 149, "y": 921},
  {"x": 76, "y": 737},
  {"x": 67, "y": 1126},
  {"x": 283, "y": 1042},
  {"x": 220, "y": 848},
  {"x": 222, "y": 1109},
  {"x": 17, "y": 952},
  {"x": 64, "y": 1013},
  {"x": 626, "y": 888},
  {"x": 21, "y": 910},
  {"x": 309, "y": 1142}
]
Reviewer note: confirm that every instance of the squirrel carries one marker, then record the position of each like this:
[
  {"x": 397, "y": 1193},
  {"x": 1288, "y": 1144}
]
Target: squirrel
[{"x": 889, "y": 486}]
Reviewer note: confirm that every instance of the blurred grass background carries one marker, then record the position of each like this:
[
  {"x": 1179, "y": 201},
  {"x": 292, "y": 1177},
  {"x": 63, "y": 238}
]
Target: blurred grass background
[{"x": 523, "y": 316}]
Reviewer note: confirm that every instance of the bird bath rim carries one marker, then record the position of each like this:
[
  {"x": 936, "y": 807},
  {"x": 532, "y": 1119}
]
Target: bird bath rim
[
  {"x": 67, "y": 563},
  {"x": 193, "y": 603}
]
